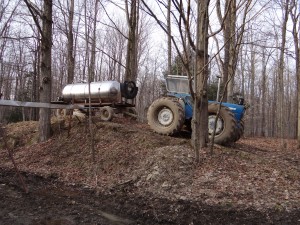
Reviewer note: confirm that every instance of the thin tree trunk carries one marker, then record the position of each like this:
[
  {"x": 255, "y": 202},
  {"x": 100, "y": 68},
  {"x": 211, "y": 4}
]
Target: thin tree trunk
[
  {"x": 252, "y": 81},
  {"x": 92, "y": 66},
  {"x": 227, "y": 35},
  {"x": 91, "y": 78},
  {"x": 263, "y": 90},
  {"x": 70, "y": 36},
  {"x": 232, "y": 51},
  {"x": 169, "y": 38},
  {"x": 200, "y": 115},
  {"x": 131, "y": 59},
  {"x": 281, "y": 73},
  {"x": 295, "y": 13},
  {"x": 87, "y": 47}
]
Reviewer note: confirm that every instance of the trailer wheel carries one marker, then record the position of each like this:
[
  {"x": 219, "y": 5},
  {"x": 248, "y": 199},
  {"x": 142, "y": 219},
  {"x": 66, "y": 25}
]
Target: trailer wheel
[
  {"x": 166, "y": 116},
  {"x": 226, "y": 124},
  {"x": 62, "y": 112},
  {"x": 106, "y": 113},
  {"x": 130, "y": 112}
]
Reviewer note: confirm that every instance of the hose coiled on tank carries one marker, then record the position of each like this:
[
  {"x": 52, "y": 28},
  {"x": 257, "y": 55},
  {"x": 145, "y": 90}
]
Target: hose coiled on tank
[{"x": 129, "y": 89}]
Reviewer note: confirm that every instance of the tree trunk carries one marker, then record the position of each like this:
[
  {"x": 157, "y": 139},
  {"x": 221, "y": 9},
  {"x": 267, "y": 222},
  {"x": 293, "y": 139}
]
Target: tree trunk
[
  {"x": 92, "y": 66},
  {"x": 200, "y": 120},
  {"x": 131, "y": 59},
  {"x": 71, "y": 59},
  {"x": 169, "y": 38},
  {"x": 232, "y": 41},
  {"x": 86, "y": 64},
  {"x": 263, "y": 94},
  {"x": 232, "y": 51},
  {"x": 91, "y": 79},
  {"x": 252, "y": 83},
  {"x": 227, "y": 40},
  {"x": 281, "y": 72},
  {"x": 45, "y": 86},
  {"x": 295, "y": 12}
]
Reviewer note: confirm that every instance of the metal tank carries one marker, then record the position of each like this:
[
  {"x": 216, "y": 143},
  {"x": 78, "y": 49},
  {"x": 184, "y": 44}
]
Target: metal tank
[{"x": 101, "y": 92}]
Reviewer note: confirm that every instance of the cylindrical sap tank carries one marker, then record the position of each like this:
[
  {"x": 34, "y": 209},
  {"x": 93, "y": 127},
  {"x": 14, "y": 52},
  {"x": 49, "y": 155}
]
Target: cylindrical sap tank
[{"x": 104, "y": 91}]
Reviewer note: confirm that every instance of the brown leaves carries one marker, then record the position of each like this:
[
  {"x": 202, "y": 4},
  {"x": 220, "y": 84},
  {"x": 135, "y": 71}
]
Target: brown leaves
[{"x": 253, "y": 173}]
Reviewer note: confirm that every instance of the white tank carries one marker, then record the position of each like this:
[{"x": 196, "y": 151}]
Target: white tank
[{"x": 104, "y": 91}]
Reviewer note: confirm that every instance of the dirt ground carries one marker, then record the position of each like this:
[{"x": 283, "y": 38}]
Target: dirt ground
[{"x": 134, "y": 176}]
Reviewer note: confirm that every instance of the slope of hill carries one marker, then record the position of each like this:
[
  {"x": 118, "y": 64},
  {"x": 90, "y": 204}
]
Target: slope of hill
[{"x": 145, "y": 177}]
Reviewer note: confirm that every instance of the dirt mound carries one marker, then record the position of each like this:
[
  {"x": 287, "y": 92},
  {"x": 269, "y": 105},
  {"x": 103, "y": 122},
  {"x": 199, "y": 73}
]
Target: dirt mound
[
  {"x": 119, "y": 149},
  {"x": 254, "y": 176}
]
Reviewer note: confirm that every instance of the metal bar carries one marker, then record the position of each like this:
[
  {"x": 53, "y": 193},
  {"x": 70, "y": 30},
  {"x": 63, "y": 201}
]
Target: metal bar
[{"x": 39, "y": 105}]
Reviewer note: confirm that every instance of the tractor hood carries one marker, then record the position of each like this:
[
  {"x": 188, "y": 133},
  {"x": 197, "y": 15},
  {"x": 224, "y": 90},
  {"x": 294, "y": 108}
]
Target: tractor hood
[{"x": 238, "y": 110}]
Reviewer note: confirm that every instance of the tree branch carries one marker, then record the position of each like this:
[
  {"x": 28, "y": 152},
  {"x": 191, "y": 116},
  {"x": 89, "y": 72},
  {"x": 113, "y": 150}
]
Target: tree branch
[{"x": 34, "y": 12}]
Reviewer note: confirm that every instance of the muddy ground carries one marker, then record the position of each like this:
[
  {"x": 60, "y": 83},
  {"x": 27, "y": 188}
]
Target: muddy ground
[{"x": 134, "y": 176}]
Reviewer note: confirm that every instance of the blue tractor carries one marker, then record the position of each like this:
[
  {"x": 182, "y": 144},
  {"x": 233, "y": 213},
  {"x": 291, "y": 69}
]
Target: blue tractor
[{"x": 168, "y": 115}]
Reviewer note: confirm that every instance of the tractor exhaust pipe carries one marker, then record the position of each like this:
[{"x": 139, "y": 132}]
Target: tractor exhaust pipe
[{"x": 219, "y": 86}]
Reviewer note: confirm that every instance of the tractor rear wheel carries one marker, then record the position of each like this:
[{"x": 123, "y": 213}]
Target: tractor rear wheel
[
  {"x": 226, "y": 124},
  {"x": 166, "y": 116}
]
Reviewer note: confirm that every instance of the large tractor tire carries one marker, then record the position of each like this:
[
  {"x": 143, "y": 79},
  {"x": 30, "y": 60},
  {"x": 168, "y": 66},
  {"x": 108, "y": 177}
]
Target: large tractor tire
[
  {"x": 242, "y": 126},
  {"x": 166, "y": 116},
  {"x": 239, "y": 130},
  {"x": 237, "y": 133},
  {"x": 226, "y": 125}
]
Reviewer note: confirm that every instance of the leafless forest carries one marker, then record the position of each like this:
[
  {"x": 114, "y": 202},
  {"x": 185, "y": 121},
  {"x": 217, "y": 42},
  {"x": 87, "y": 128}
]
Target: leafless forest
[{"x": 253, "y": 46}]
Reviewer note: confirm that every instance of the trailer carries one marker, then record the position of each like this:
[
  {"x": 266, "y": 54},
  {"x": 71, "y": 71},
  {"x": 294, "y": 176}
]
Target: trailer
[{"x": 106, "y": 97}]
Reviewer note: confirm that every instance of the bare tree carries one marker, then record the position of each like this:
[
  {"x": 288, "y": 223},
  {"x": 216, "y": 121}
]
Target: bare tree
[
  {"x": 169, "y": 37},
  {"x": 295, "y": 14},
  {"x": 199, "y": 90},
  {"x": 252, "y": 74},
  {"x": 200, "y": 114},
  {"x": 281, "y": 70},
  {"x": 233, "y": 37},
  {"x": 46, "y": 46},
  {"x": 132, "y": 16},
  {"x": 45, "y": 86},
  {"x": 92, "y": 65},
  {"x": 265, "y": 58},
  {"x": 70, "y": 36}
]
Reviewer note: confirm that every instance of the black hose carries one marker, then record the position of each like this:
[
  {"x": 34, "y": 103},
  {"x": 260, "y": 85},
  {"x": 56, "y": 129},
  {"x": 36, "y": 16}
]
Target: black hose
[{"x": 129, "y": 89}]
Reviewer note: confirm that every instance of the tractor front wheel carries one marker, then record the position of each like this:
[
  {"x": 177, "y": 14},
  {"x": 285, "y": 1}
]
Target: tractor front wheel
[{"x": 166, "y": 116}]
